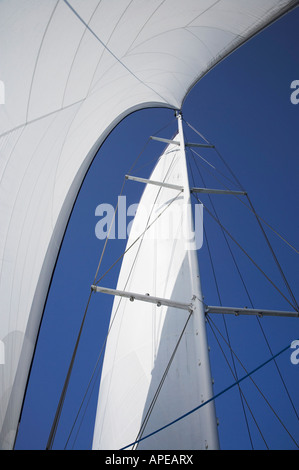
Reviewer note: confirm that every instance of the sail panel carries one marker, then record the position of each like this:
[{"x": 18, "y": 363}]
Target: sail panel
[{"x": 72, "y": 70}]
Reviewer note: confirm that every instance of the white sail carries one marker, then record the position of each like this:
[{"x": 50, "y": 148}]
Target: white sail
[
  {"x": 70, "y": 71},
  {"x": 143, "y": 336}
]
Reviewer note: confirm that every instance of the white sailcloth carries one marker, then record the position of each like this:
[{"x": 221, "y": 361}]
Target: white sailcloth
[{"x": 144, "y": 336}]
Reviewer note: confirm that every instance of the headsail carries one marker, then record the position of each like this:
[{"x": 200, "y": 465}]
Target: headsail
[{"x": 155, "y": 367}]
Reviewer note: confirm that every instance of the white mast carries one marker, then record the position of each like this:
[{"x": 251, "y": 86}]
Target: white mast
[{"x": 204, "y": 370}]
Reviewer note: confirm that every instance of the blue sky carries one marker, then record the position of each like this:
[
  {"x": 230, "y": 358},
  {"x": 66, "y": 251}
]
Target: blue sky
[{"x": 242, "y": 106}]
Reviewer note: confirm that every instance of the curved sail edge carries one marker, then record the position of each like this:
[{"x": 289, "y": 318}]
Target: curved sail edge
[{"x": 21, "y": 343}]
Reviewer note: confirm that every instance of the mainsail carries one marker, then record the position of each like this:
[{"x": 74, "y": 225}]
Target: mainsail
[
  {"x": 71, "y": 71},
  {"x": 156, "y": 365}
]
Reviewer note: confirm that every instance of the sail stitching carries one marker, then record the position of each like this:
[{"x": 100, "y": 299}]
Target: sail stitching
[{"x": 38, "y": 56}]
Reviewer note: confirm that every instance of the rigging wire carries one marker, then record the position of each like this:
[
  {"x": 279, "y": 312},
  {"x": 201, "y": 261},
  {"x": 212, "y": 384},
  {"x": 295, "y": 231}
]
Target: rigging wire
[
  {"x": 220, "y": 301},
  {"x": 96, "y": 370},
  {"x": 148, "y": 225},
  {"x": 53, "y": 430},
  {"x": 67, "y": 379},
  {"x": 275, "y": 259},
  {"x": 245, "y": 287},
  {"x": 249, "y": 257},
  {"x": 94, "y": 282},
  {"x": 238, "y": 184},
  {"x": 249, "y": 374},
  {"x": 138, "y": 238},
  {"x": 112, "y": 323},
  {"x": 224, "y": 320},
  {"x": 214, "y": 169},
  {"x": 278, "y": 370},
  {"x": 64, "y": 391},
  {"x": 235, "y": 376},
  {"x": 271, "y": 249},
  {"x": 66, "y": 383},
  {"x": 155, "y": 397},
  {"x": 122, "y": 189},
  {"x": 259, "y": 219},
  {"x": 268, "y": 403}
]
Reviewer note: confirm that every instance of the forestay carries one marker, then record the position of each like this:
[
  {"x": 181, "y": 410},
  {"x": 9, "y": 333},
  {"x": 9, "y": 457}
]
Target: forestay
[{"x": 70, "y": 71}]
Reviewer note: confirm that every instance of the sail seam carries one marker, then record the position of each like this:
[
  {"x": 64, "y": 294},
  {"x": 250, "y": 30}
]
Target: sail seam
[
  {"x": 43, "y": 116},
  {"x": 112, "y": 53},
  {"x": 37, "y": 58}
]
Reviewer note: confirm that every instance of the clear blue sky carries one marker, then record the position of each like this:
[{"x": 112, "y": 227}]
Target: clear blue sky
[{"x": 243, "y": 106}]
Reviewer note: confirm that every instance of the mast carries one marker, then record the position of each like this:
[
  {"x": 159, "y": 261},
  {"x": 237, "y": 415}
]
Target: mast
[{"x": 199, "y": 322}]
